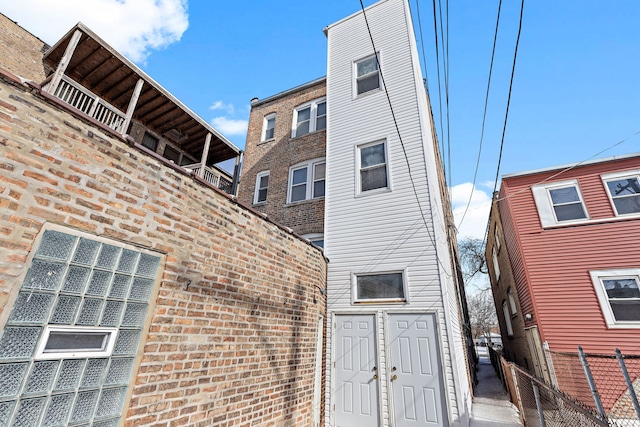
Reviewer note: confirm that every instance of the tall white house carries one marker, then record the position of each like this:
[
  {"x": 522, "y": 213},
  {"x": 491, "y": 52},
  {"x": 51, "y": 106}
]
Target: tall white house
[{"x": 395, "y": 348}]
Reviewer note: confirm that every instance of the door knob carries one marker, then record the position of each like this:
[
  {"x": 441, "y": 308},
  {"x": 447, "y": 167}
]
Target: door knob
[
  {"x": 375, "y": 377},
  {"x": 393, "y": 378}
]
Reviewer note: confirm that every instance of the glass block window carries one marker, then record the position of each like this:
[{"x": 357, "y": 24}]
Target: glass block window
[{"x": 67, "y": 350}]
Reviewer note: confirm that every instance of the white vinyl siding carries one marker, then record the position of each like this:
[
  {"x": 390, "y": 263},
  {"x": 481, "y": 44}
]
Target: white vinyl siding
[{"x": 385, "y": 230}]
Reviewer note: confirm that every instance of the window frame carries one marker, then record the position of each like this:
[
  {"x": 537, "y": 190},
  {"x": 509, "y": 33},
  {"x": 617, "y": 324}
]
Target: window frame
[
  {"x": 496, "y": 263},
  {"x": 315, "y": 237},
  {"x": 597, "y": 277},
  {"x": 256, "y": 192},
  {"x": 507, "y": 318},
  {"x": 405, "y": 288},
  {"x": 105, "y": 351},
  {"x": 313, "y": 117},
  {"x": 358, "y": 168},
  {"x": 265, "y": 127},
  {"x": 310, "y": 180},
  {"x": 512, "y": 302},
  {"x": 356, "y": 79},
  {"x": 614, "y": 177},
  {"x": 545, "y": 206}
]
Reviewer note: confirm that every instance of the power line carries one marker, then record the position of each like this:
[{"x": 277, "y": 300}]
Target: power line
[
  {"x": 506, "y": 115},
  {"x": 484, "y": 115},
  {"x": 424, "y": 57},
  {"x": 395, "y": 122},
  {"x": 435, "y": 31}
]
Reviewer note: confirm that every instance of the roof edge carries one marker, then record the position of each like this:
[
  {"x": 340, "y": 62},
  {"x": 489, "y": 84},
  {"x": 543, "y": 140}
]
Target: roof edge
[
  {"x": 571, "y": 165},
  {"x": 288, "y": 91}
]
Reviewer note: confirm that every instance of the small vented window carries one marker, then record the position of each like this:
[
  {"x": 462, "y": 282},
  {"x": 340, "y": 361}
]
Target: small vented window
[{"x": 76, "y": 342}]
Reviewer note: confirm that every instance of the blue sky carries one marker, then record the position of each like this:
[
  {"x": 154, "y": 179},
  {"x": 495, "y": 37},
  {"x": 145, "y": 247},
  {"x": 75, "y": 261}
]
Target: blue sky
[{"x": 576, "y": 90}]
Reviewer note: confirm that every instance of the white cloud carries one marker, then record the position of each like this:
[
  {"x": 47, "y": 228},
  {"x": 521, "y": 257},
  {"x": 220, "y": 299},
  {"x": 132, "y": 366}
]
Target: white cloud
[
  {"x": 476, "y": 219},
  {"x": 133, "y": 27},
  {"x": 229, "y": 126},
  {"x": 219, "y": 105}
]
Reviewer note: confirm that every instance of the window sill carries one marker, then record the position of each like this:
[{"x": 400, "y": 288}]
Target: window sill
[
  {"x": 357, "y": 96},
  {"x": 626, "y": 217},
  {"x": 266, "y": 141},
  {"x": 381, "y": 301},
  {"x": 373, "y": 192},
  {"x": 302, "y": 202},
  {"x": 259, "y": 203},
  {"x": 307, "y": 134}
]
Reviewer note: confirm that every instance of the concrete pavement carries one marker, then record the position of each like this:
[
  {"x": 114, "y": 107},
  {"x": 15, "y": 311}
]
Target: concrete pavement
[{"x": 491, "y": 406}]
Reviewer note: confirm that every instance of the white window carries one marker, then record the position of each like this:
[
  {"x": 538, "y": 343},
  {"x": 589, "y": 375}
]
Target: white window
[
  {"x": 367, "y": 75},
  {"x": 262, "y": 187},
  {"x": 380, "y": 287},
  {"x": 76, "y": 342},
  {"x": 507, "y": 318},
  {"x": 496, "y": 235},
  {"x": 512, "y": 302},
  {"x": 624, "y": 192},
  {"x": 269, "y": 127},
  {"x": 496, "y": 265},
  {"x": 372, "y": 166},
  {"x": 619, "y": 296},
  {"x": 306, "y": 181},
  {"x": 309, "y": 117},
  {"x": 559, "y": 203},
  {"x": 315, "y": 238}
]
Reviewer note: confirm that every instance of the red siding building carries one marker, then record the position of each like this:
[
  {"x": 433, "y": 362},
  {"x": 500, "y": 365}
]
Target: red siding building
[{"x": 564, "y": 260}]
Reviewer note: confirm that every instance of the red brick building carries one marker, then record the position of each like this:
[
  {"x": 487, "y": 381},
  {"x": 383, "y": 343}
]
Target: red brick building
[
  {"x": 283, "y": 174},
  {"x": 135, "y": 291}
]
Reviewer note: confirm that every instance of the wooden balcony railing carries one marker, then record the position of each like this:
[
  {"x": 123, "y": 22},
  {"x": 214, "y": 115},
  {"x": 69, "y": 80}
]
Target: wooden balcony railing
[
  {"x": 212, "y": 176},
  {"x": 77, "y": 96}
]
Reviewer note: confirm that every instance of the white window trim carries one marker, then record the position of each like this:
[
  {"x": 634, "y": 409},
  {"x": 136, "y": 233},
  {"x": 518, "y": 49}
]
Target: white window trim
[
  {"x": 354, "y": 288},
  {"x": 507, "y": 318},
  {"x": 355, "y": 76},
  {"x": 264, "y": 127},
  {"x": 257, "y": 189},
  {"x": 512, "y": 302},
  {"x": 104, "y": 352},
  {"x": 313, "y": 116},
  {"x": 619, "y": 175},
  {"x": 496, "y": 235},
  {"x": 545, "y": 206},
  {"x": 603, "y": 299},
  {"x": 359, "y": 191},
  {"x": 310, "y": 180},
  {"x": 496, "y": 264}
]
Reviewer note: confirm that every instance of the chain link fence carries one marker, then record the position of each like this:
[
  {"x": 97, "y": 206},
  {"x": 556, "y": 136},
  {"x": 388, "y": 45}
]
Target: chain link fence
[
  {"x": 540, "y": 404},
  {"x": 608, "y": 384}
]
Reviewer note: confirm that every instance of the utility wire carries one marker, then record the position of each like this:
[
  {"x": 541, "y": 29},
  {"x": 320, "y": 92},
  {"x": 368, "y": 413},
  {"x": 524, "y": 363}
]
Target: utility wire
[
  {"x": 484, "y": 115},
  {"x": 393, "y": 115},
  {"x": 424, "y": 57},
  {"x": 506, "y": 115},
  {"x": 435, "y": 31}
]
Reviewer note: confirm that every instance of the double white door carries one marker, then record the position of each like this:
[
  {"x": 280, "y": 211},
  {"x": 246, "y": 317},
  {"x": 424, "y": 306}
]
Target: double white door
[{"x": 413, "y": 378}]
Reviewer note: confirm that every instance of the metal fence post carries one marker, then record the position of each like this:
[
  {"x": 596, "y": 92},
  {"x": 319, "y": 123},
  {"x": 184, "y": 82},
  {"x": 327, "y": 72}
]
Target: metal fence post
[
  {"x": 536, "y": 393},
  {"x": 632, "y": 392},
  {"x": 592, "y": 384}
]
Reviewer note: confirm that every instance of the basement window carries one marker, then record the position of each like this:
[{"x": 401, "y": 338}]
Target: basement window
[{"x": 75, "y": 342}]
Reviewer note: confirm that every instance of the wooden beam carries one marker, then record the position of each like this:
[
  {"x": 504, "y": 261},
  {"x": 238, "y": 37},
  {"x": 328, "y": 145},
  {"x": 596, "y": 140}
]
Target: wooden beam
[
  {"x": 132, "y": 106},
  {"x": 205, "y": 153},
  {"x": 64, "y": 62}
]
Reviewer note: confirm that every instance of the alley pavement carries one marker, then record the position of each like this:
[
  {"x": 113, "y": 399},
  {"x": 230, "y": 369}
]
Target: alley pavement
[{"x": 491, "y": 406}]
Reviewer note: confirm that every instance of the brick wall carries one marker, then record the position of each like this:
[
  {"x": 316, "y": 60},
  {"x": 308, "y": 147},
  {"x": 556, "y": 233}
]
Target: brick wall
[
  {"x": 21, "y": 51},
  {"x": 277, "y": 155},
  {"x": 232, "y": 340}
]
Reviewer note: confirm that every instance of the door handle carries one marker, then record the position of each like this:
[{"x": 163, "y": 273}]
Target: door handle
[
  {"x": 375, "y": 377},
  {"x": 393, "y": 378}
]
